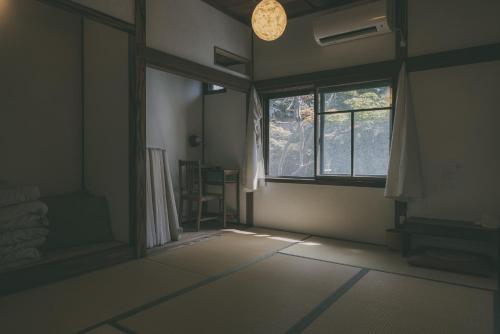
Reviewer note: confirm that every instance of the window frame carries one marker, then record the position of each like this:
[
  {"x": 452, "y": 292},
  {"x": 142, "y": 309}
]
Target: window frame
[{"x": 358, "y": 181}]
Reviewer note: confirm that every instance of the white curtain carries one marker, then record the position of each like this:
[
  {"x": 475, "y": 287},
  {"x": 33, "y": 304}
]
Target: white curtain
[
  {"x": 162, "y": 221},
  {"x": 404, "y": 177},
  {"x": 254, "y": 158}
]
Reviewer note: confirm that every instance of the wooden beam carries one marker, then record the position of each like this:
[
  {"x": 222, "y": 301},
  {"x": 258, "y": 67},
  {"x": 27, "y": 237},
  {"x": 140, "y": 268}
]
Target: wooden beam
[
  {"x": 90, "y": 13},
  {"x": 472, "y": 55},
  {"x": 177, "y": 65},
  {"x": 139, "y": 173},
  {"x": 249, "y": 209}
]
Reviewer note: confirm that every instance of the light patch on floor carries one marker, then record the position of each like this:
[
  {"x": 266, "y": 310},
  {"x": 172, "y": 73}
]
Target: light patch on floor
[
  {"x": 77, "y": 303},
  {"x": 228, "y": 250},
  {"x": 237, "y": 283},
  {"x": 268, "y": 297},
  {"x": 382, "y": 303},
  {"x": 378, "y": 258}
]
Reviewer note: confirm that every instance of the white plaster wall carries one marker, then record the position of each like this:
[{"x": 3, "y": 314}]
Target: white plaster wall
[
  {"x": 40, "y": 96},
  {"x": 458, "y": 121},
  {"x": 121, "y": 9},
  {"x": 351, "y": 213},
  {"x": 191, "y": 28},
  {"x": 107, "y": 121},
  {"x": 442, "y": 25},
  {"x": 225, "y": 117},
  {"x": 173, "y": 107},
  {"x": 297, "y": 52}
]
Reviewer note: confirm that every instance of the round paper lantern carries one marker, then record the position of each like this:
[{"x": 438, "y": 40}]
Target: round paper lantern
[{"x": 269, "y": 20}]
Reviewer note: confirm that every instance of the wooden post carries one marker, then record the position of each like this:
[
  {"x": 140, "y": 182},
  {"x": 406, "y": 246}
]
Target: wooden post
[{"x": 140, "y": 128}]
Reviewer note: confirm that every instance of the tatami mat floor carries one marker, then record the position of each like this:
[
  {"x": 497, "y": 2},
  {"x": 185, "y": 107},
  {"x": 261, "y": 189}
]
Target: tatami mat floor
[{"x": 258, "y": 281}]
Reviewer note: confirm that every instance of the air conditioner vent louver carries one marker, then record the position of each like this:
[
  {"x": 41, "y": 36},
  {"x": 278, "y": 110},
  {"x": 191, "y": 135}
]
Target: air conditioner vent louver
[
  {"x": 369, "y": 19},
  {"x": 348, "y": 35}
]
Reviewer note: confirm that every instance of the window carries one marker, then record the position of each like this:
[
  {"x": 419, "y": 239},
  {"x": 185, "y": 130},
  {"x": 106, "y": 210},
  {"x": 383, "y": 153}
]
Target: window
[
  {"x": 291, "y": 136},
  {"x": 354, "y": 130},
  {"x": 353, "y": 126}
]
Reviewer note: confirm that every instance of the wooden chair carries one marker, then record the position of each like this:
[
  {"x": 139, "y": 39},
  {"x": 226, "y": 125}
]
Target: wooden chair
[{"x": 191, "y": 190}]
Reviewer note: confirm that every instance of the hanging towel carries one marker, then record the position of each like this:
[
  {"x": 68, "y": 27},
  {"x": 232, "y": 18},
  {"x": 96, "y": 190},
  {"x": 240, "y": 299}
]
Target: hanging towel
[
  {"x": 162, "y": 221},
  {"x": 404, "y": 176},
  {"x": 254, "y": 158}
]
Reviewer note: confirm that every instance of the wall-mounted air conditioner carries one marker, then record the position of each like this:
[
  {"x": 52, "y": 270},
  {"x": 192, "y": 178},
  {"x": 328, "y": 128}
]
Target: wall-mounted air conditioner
[{"x": 364, "y": 20}]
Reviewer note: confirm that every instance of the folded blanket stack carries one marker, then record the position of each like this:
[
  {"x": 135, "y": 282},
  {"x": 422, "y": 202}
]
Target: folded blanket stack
[{"x": 23, "y": 225}]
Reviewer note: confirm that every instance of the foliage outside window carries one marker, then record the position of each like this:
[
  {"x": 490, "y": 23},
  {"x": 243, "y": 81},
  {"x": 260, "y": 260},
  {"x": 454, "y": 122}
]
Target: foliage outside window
[
  {"x": 291, "y": 136},
  {"x": 353, "y": 132},
  {"x": 354, "y": 127}
]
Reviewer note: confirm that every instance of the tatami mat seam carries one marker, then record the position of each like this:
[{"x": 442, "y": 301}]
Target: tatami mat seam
[
  {"x": 121, "y": 328},
  {"x": 114, "y": 320},
  {"x": 394, "y": 273},
  {"x": 309, "y": 318},
  {"x": 169, "y": 265}
]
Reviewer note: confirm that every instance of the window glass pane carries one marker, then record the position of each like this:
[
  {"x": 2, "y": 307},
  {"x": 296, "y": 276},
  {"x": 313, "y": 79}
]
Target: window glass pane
[
  {"x": 371, "y": 142},
  {"x": 364, "y": 98},
  {"x": 291, "y": 136},
  {"x": 336, "y": 148}
]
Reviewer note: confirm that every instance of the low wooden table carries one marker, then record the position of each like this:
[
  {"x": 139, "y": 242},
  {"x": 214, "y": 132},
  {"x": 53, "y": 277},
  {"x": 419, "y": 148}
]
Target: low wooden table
[{"x": 446, "y": 229}]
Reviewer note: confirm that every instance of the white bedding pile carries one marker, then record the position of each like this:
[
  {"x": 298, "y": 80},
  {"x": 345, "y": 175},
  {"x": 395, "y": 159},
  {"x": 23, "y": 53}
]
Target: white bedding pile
[{"x": 23, "y": 225}]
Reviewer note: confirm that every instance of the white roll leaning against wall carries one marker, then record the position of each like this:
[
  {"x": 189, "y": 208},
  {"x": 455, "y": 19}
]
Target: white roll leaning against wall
[{"x": 162, "y": 221}]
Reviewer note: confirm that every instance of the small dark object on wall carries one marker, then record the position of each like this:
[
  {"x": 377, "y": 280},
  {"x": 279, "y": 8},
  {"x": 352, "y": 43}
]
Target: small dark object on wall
[{"x": 195, "y": 141}]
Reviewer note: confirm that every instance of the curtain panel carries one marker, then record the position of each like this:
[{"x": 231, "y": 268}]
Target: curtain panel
[
  {"x": 254, "y": 157},
  {"x": 404, "y": 176}
]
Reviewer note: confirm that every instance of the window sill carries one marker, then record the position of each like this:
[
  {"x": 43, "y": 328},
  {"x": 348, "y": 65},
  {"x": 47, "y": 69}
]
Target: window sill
[{"x": 334, "y": 181}]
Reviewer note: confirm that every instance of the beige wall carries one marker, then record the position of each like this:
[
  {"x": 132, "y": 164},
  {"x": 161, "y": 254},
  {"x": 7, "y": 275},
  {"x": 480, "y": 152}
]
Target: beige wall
[
  {"x": 173, "y": 114},
  {"x": 40, "y": 96},
  {"x": 457, "y": 121},
  {"x": 121, "y": 9},
  {"x": 297, "y": 52},
  {"x": 350, "y": 213},
  {"x": 442, "y": 25},
  {"x": 345, "y": 212},
  {"x": 225, "y": 117},
  {"x": 107, "y": 120},
  {"x": 191, "y": 28}
]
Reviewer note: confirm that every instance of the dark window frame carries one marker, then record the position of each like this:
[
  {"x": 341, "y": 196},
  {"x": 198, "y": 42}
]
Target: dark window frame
[{"x": 358, "y": 181}]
